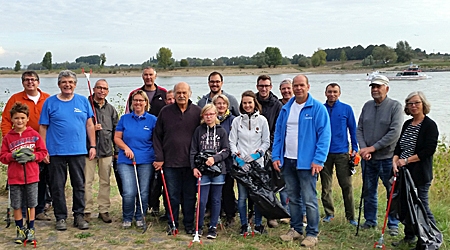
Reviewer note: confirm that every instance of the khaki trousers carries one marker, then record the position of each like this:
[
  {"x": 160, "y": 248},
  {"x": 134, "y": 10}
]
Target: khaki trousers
[{"x": 104, "y": 189}]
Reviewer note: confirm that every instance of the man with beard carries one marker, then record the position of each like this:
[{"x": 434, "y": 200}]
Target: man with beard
[{"x": 215, "y": 82}]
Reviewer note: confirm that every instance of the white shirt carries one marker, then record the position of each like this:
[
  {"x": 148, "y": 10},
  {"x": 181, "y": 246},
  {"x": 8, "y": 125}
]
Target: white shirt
[
  {"x": 35, "y": 98},
  {"x": 291, "y": 142}
]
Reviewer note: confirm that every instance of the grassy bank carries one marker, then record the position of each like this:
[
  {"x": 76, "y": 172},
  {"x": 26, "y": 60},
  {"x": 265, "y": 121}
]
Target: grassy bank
[{"x": 335, "y": 235}]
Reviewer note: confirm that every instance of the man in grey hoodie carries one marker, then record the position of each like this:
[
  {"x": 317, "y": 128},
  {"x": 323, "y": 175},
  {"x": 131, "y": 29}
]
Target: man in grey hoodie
[{"x": 378, "y": 130}]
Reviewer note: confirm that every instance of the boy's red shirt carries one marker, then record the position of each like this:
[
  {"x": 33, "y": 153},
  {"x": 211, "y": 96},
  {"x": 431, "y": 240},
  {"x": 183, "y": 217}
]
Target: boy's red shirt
[{"x": 14, "y": 141}]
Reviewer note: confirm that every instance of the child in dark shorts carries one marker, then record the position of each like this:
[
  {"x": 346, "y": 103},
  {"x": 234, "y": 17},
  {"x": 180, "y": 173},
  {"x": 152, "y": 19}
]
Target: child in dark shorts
[{"x": 22, "y": 149}]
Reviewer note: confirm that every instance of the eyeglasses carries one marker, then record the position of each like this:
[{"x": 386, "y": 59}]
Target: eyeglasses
[
  {"x": 209, "y": 114},
  {"x": 217, "y": 81},
  {"x": 101, "y": 88},
  {"x": 30, "y": 79},
  {"x": 138, "y": 100},
  {"x": 413, "y": 103},
  {"x": 263, "y": 86}
]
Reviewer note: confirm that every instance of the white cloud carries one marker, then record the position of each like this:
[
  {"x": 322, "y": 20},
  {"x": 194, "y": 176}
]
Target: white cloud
[{"x": 2, "y": 51}]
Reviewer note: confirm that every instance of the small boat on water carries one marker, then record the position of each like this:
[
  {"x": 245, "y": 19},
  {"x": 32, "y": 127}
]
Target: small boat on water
[
  {"x": 412, "y": 73},
  {"x": 372, "y": 75}
]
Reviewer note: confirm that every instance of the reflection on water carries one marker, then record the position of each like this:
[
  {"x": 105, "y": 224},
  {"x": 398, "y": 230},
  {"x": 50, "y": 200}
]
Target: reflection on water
[{"x": 355, "y": 89}]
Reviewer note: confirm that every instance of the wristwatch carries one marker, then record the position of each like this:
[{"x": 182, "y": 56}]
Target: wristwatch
[
  {"x": 406, "y": 161},
  {"x": 92, "y": 147}
]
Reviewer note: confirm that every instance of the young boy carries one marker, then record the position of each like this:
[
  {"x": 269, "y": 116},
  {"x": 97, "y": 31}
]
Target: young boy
[{"x": 23, "y": 148}]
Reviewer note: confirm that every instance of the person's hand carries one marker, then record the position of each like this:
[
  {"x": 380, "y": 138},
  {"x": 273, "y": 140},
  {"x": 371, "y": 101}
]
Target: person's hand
[
  {"x": 401, "y": 162},
  {"x": 158, "y": 165},
  {"x": 128, "y": 153},
  {"x": 210, "y": 161},
  {"x": 23, "y": 155},
  {"x": 98, "y": 126},
  {"x": 239, "y": 161},
  {"x": 246, "y": 167},
  {"x": 315, "y": 168},
  {"x": 92, "y": 153},
  {"x": 253, "y": 157},
  {"x": 197, "y": 173},
  {"x": 366, "y": 153},
  {"x": 46, "y": 159},
  {"x": 394, "y": 168},
  {"x": 276, "y": 165}
]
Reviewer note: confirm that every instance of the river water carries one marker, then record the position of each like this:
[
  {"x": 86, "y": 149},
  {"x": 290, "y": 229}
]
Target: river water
[{"x": 355, "y": 89}]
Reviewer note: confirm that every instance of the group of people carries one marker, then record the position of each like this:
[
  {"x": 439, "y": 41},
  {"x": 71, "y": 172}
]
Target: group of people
[{"x": 163, "y": 135}]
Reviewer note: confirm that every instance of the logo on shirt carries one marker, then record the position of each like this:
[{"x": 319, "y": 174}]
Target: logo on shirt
[
  {"x": 77, "y": 110},
  {"x": 146, "y": 128},
  {"x": 308, "y": 117}
]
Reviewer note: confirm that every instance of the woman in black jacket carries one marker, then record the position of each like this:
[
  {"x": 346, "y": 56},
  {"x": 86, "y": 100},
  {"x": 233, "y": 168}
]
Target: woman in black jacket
[{"x": 415, "y": 149}]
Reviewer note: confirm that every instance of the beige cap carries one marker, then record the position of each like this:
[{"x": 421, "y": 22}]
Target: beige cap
[{"x": 379, "y": 80}]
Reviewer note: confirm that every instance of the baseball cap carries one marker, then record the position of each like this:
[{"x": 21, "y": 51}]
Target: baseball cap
[{"x": 379, "y": 80}]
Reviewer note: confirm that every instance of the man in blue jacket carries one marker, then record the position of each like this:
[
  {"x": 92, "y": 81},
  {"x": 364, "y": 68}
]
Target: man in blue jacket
[
  {"x": 301, "y": 142},
  {"x": 343, "y": 123}
]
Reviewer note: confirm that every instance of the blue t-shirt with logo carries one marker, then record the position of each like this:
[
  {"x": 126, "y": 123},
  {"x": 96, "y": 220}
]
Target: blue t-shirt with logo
[
  {"x": 66, "y": 121},
  {"x": 138, "y": 135}
]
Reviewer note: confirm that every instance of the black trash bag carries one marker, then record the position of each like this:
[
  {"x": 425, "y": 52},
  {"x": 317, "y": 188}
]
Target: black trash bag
[
  {"x": 276, "y": 180},
  {"x": 408, "y": 208},
  {"x": 200, "y": 162},
  {"x": 257, "y": 181}
]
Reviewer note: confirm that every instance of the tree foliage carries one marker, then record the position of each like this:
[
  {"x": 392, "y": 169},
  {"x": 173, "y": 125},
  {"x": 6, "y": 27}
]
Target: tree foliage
[
  {"x": 304, "y": 62},
  {"x": 164, "y": 57},
  {"x": 404, "y": 52},
  {"x": 47, "y": 60},
  {"x": 259, "y": 59},
  {"x": 207, "y": 62},
  {"x": 367, "y": 61},
  {"x": 91, "y": 60},
  {"x": 319, "y": 58},
  {"x": 184, "y": 63},
  {"x": 343, "y": 56},
  {"x": 102, "y": 59},
  {"x": 273, "y": 56},
  {"x": 384, "y": 53},
  {"x": 17, "y": 66}
]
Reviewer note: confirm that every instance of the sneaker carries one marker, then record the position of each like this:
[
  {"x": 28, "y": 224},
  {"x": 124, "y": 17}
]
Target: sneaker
[
  {"x": 260, "y": 230},
  {"x": 43, "y": 216},
  {"x": 80, "y": 223},
  {"x": 244, "y": 229},
  {"x": 105, "y": 217},
  {"x": 272, "y": 223},
  {"x": 212, "y": 233},
  {"x": 126, "y": 224},
  {"x": 309, "y": 241},
  {"x": 291, "y": 235},
  {"x": 328, "y": 218},
  {"x": 61, "y": 225},
  {"x": 393, "y": 231},
  {"x": 285, "y": 220},
  {"x": 367, "y": 226},
  {"x": 405, "y": 241},
  {"x": 353, "y": 223},
  {"x": 87, "y": 217},
  {"x": 31, "y": 235},
  {"x": 140, "y": 224},
  {"x": 20, "y": 236}
]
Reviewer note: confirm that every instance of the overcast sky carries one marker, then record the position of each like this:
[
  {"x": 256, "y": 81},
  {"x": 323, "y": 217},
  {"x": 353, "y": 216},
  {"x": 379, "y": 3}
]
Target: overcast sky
[{"x": 131, "y": 31}]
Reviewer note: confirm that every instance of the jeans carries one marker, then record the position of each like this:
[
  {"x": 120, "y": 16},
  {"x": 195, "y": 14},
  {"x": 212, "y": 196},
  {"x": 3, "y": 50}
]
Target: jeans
[
  {"x": 131, "y": 205},
  {"x": 242, "y": 206},
  {"x": 344, "y": 177},
  {"x": 104, "y": 189},
  {"x": 422, "y": 193},
  {"x": 300, "y": 183},
  {"x": 181, "y": 185},
  {"x": 372, "y": 170},
  {"x": 58, "y": 175},
  {"x": 228, "y": 197},
  {"x": 214, "y": 192}
]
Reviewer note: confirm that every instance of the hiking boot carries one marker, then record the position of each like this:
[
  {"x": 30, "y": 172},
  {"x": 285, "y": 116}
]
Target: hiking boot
[
  {"x": 244, "y": 229},
  {"x": 126, "y": 224},
  {"x": 87, "y": 217},
  {"x": 328, "y": 218},
  {"x": 309, "y": 241},
  {"x": 140, "y": 224},
  {"x": 31, "y": 235},
  {"x": 353, "y": 223},
  {"x": 80, "y": 223},
  {"x": 43, "y": 216},
  {"x": 409, "y": 242},
  {"x": 272, "y": 223},
  {"x": 291, "y": 235},
  {"x": 367, "y": 226},
  {"x": 260, "y": 230},
  {"x": 61, "y": 225},
  {"x": 20, "y": 236},
  {"x": 212, "y": 233},
  {"x": 105, "y": 217},
  {"x": 393, "y": 231},
  {"x": 285, "y": 220}
]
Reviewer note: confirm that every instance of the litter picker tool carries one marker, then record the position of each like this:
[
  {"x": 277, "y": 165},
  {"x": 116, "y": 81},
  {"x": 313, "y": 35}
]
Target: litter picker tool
[
  {"x": 197, "y": 236},
  {"x": 8, "y": 209},
  {"x": 139, "y": 195},
  {"x": 380, "y": 242},
  {"x": 362, "y": 195},
  {"x": 90, "y": 92},
  {"x": 173, "y": 229}
]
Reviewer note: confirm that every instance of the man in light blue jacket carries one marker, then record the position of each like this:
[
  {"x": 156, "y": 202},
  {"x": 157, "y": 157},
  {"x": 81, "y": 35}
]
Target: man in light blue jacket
[{"x": 300, "y": 149}]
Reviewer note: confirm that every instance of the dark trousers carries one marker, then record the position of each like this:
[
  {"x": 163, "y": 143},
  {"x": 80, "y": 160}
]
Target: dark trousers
[
  {"x": 228, "y": 197},
  {"x": 181, "y": 186},
  {"x": 155, "y": 191},
  {"x": 58, "y": 175}
]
